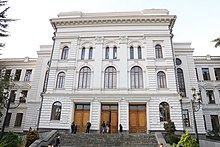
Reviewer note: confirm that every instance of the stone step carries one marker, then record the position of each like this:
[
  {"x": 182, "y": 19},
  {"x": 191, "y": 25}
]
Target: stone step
[{"x": 107, "y": 140}]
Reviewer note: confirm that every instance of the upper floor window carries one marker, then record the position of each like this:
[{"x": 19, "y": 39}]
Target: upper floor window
[
  {"x": 197, "y": 76},
  {"x": 205, "y": 73},
  {"x": 131, "y": 52},
  {"x": 139, "y": 53},
  {"x": 178, "y": 61},
  {"x": 18, "y": 120},
  {"x": 115, "y": 52},
  {"x": 90, "y": 52},
  {"x": 17, "y": 75},
  {"x": 186, "y": 121},
  {"x": 23, "y": 96},
  {"x": 84, "y": 77},
  {"x": 83, "y": 53},
  {"x": 7, "y": 119},
  {"x": 164, "y": 111},
  {"x": 13, "y": 94},
  {"x": 181, "y": 82},
  {"x": 210, "y": 96},
  {"x": 136, "y": 77},
  {"x": 161, "y": 80},
  {"x": 158, "y": 50},
  {"x": 107, "y": 53},
  {"x": 8, "y": 73},
  {"x": 217, "y": 73},
  {"x": 110, "y": 77},
  {"x": 56, "y": 111},
  {"x": 64, "y": 54},
  {"x": 60, "y": 80},
  {"x": 27, "y": 76}
]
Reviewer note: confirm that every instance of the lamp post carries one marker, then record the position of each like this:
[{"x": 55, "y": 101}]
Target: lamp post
[{"x": 195, "y": 102}]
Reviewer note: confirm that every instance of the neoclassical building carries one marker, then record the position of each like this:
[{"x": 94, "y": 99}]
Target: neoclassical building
[{"x": 121, "y": 67}]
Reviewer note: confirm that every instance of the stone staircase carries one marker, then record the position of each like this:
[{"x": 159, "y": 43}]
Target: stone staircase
[{"x": 108, "y": 140}]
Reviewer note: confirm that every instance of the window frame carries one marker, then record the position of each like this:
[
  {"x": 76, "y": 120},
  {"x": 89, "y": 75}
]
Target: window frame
[
  {"x": 84, "y": 77},
  {"x": 164, "y": 111},
  {"x": 158, "y": 51},
  {"x": 161, "y": 80},
  {"x": 90, "y": 53},
  {"x": 110, "y": 78},
  {"x": 60, "y": 83},
  {"x": 65, "y": 52},
  {"x": 136, "y": 77},
  {"x": 83, "y": 51},
  {"x": 56, "y": 110},
  {"x": 114, "y": 52},
  {"x": 107, "y": 52},
  {"x": 131, "y": 52},
  {"x": 18, "y": 120},
  {"x": 139, "y": 52}
]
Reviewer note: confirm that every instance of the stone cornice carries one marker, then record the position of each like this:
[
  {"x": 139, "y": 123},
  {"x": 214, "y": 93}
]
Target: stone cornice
[{"x": 59, "y": 22}]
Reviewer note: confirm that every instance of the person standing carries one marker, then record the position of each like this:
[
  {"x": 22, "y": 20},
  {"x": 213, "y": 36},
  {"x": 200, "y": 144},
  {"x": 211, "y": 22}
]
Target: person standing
[
  {"x": 72, "y": 127},
  {"x": 75, "y": 129},
  {"x": 103, "y": 127},
  {"x": 120, "y": 128},
  {"x": 108, "y": 127},
  {"x": 88, "y": 125}
]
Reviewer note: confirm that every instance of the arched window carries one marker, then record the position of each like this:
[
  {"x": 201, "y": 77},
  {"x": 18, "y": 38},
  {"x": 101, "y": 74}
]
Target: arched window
[
  {"x": 84, "y": 77},
  {"x": 164, "y": 111},
  {"x": 181, "y": 82},
  {"x": 60, "y": 80},
  {"x": 56, "y": 111},
  {"x": 161, "y": 80},
  {"x": 64, "y": 54},
  {"x": 115, "y": 52},
  {"x": 131, "y": 52},
  {"x": 158, "y": 51},
  {"x": 83, "y": 53},
  {"x": 136, "y": 77},
  {"x": 139, "y": 53},
  {"x": 110, "y": 77},
  {"x": 107, "y": 53},
  {"x": 90, "y": 52}
]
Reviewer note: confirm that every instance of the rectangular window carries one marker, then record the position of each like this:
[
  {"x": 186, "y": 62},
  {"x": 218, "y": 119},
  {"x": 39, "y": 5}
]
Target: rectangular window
[
  {"x": 131, "y": 53},
  {"x": 83, "y": 54},
  {"x": 18, "y": 120},
  {"x": 90, "y": 53},
  {"x": 27, "y": 76},
  {"x": 186, "y": 118},
  {"x": 210, "y": 96},
  {"x": 23, "y": 96},
  {"x": 7, "y": 119},
  {"x": 197, "y": 74},
  {"x": 204, "y": 122},
  {"x": 139, "y": 53},
  {"x": 13, "y": 95},
  {"x": 215, "y": 122},
  {"x": 115, "y": 53},
  {"x": 107, "y": 53},
  {"x": 205, "y": 73},
  {"x": 17, "y": 75},
  {"x": 217, "y": 73}
]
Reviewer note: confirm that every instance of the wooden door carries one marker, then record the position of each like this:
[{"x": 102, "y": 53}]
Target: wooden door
[
  {"x": 137, "y": 119},
  {"x": 80, "y": 119},
  {"x": 114, "y": 122},
  {"x": 133, "y": 121}
]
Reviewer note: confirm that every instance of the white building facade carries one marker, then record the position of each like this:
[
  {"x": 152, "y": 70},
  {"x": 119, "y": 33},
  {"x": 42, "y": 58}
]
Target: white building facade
[
  {"x": 120, "y": 67},
  {"x": 116, "y": 67}
]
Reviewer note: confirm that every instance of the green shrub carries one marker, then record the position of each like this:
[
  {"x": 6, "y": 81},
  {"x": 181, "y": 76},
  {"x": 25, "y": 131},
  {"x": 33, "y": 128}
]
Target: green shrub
[
  {"x": 11, "y": 139},
  {"x": 186, "y": 140},
  {"x": 169, "y": 127},
  {"x": 32, "y": 135},
  {"x": 173, "y": 138}
]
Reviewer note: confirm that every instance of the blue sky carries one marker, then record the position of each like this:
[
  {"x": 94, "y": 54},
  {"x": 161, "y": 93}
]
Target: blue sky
[{"x": 197, "y": 21}]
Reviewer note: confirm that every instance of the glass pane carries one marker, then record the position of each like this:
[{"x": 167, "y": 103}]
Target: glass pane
[
  {"x": 133, "y": 107},
  {"x": 141, "y": 107},
  {"x": 79, "y": 107},
  {"x": 104, "y": 107},
  {"x": 86, "y": 107},
  {"x": 114, "y": 107}
]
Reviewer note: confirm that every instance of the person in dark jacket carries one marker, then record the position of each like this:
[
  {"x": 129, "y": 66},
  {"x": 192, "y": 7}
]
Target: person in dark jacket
[
  {"x": 120, "y": 128},
  {"x": 88, "y": 125},
  {"x": 72, "y": 127}
]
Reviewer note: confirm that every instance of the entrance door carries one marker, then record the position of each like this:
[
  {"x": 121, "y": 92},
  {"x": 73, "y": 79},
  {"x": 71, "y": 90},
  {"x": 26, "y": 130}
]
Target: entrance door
[
  {"x": 137, "y": 119},
  {"x": 215, "y": 122},
  {"x": 110, "y": 113},
  {"x": 81, "y": 116}
]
